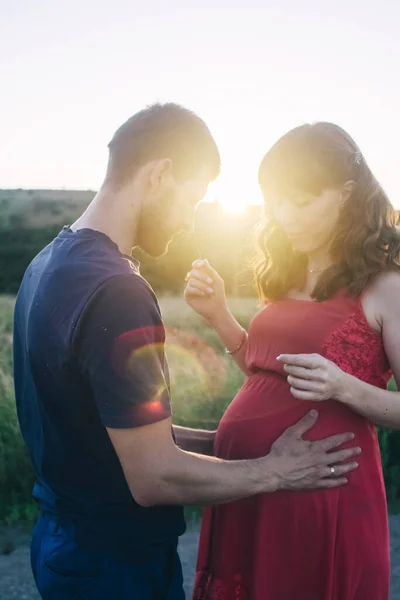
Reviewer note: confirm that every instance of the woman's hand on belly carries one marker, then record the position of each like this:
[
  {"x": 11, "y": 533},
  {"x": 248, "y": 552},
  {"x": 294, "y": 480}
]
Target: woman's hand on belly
[{"x": 313, "y": 377}]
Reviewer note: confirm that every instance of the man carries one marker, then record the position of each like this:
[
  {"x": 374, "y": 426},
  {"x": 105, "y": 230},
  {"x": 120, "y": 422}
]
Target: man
[{"x": 92, "y": 384}]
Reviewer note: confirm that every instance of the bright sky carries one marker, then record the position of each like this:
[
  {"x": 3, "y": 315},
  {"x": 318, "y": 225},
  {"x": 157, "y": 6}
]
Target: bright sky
[{"x": 72, "y": 72}]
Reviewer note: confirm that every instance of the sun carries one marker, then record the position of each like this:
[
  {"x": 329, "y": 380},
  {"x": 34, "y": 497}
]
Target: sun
[
  {"x": 234, "y": 206},
  {"x": 234, "y": 196}
]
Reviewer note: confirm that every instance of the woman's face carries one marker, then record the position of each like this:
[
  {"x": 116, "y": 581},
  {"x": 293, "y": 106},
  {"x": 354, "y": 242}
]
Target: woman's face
[{"x": 309, "y": 221}]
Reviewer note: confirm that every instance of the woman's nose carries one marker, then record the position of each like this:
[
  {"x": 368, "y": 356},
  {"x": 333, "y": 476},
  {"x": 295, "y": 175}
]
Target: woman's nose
[{"x": 285, "y": 214}]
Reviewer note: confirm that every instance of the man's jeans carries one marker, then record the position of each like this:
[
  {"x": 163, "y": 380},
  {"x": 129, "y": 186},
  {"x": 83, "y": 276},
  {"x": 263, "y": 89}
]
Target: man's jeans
[{"x": 65, "y": 570}]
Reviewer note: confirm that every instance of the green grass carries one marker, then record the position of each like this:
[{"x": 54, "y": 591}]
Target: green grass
[
  {"x": 203, "y": 379},
  {"x": 16, "y": 476}
]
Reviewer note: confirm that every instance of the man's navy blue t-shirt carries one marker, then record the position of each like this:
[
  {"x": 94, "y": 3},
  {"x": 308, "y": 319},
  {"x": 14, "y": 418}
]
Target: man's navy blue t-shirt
[{"x": 89, "y": 354}]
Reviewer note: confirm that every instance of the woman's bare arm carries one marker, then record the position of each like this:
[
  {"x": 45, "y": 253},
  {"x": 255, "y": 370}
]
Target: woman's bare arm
[
  {"x": 205, "y": 293},
  {"x": 381, "y": 406}
]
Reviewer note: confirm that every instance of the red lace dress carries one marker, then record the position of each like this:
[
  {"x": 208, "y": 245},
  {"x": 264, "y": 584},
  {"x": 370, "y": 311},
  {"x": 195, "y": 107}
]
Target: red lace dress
[{"x": 311, "y": 545}]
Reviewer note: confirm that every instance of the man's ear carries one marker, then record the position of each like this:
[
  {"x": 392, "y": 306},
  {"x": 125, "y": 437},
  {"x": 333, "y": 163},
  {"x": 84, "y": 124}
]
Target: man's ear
[{"x": 160, "y": 172}]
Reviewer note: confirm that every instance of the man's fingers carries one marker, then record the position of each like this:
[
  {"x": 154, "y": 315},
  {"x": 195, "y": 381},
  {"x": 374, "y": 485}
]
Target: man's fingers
[
  {"x": 342, "y": 455},
  {"x": 340, "y": 470},
  {"x": 330, "y": 483},
  {"x": 304, "y": 425},
  {"x": 336, "y": 478},
  {"x": 334, "y": 441}
]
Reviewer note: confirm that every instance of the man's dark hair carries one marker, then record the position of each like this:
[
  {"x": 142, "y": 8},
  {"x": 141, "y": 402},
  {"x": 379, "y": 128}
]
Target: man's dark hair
[{"x": 163, "y": 131}]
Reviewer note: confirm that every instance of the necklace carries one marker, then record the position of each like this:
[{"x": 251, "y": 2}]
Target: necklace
[{"x": 316, "y": 270}]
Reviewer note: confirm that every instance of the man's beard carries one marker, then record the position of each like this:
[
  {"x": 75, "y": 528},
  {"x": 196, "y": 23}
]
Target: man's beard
[
  {"x": 158, "y": 249},
  {"x": 154, "y": 243},
  {"x": 153, "y": 236}
]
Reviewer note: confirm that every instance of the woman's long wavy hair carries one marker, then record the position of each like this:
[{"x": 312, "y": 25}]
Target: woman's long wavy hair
[{"x": 312, "y": 158}]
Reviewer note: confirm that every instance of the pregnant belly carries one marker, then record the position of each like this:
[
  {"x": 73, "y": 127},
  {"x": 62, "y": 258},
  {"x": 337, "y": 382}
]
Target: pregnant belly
[{"x": 264, "y": 408}]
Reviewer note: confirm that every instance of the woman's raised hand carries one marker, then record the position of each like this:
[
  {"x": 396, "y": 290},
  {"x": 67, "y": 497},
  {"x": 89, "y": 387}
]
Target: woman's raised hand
[{"x": 205, "y": 290}]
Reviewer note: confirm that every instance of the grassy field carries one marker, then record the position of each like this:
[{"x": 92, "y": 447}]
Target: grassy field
[
  {"x": 203, "y": 382},
  {"x": 15, "y": 467},
  {"x": 203, "y": 379}
]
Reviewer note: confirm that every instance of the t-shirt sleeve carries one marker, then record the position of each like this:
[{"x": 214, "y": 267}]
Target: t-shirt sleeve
[{"x": 120, "y": 350}]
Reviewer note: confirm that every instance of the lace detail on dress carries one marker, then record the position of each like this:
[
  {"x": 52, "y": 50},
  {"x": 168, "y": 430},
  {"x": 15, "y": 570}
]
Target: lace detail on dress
[
  {"x": 358, "y": 350},
  {"x": 209, "y": 588}
]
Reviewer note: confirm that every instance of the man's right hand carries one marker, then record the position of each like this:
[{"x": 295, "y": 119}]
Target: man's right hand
[
  {"x": 158, "y": 472},
  {"x": 303, "y": 465}
]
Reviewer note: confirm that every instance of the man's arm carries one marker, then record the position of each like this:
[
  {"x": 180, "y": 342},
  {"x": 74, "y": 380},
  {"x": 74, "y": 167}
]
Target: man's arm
[
  {"x": 158, "y": 472},
  {"x": 199, "y": 441}
]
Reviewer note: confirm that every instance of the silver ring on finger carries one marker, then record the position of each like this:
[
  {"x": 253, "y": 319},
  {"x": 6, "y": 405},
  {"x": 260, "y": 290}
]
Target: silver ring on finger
[{"x": 332, "y": 470}]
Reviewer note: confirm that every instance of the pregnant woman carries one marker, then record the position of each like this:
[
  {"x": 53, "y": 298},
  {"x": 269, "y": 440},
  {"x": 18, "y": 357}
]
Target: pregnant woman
[{"x": 327, "y": 337}]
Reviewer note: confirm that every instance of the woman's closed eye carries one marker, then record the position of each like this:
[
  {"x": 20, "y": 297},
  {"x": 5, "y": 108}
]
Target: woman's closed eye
[
  {"x": 301, "y": 201},
  {"x": 295, "y": 200}
]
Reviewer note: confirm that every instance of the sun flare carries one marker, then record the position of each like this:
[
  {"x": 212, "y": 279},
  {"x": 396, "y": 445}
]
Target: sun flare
[{"x": 233, "y": 196}]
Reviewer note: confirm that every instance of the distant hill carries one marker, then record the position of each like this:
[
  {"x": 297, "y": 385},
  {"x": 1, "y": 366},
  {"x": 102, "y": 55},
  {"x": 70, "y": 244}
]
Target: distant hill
[
  {"x": 41, "y": 208},
  {"x": 30, "y": 219}
]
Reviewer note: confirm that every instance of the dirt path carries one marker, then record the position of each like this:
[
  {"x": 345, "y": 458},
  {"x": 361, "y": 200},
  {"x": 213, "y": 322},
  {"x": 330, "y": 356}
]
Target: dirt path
[{"x": 16, "y": 580}]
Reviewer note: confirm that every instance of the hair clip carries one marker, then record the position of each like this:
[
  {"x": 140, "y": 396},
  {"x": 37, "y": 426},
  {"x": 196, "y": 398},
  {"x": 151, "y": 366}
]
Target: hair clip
[{"x": 356, "y": 158}]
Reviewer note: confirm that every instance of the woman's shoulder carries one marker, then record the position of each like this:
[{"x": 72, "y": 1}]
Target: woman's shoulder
[
  {"x": 383, "y": 293},
  {"x": 386, "y": 282}
]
